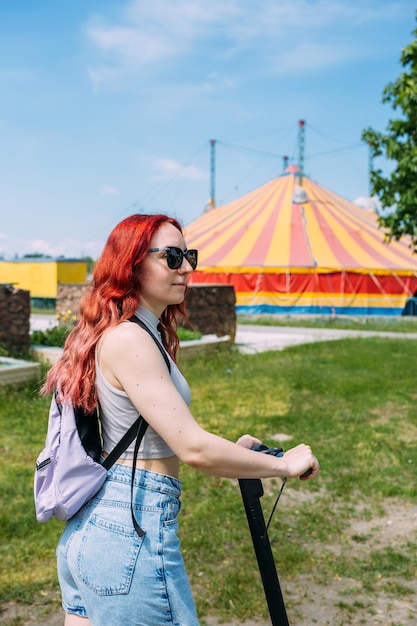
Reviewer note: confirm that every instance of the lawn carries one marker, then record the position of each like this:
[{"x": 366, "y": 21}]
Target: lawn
[
  {"x": 353, "y": 400},
  {"x": 406, "y": 324}
]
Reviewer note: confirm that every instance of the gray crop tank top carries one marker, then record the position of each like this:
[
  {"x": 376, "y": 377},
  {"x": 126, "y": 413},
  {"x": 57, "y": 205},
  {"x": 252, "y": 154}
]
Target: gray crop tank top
[{"x": 117, "y": 412}]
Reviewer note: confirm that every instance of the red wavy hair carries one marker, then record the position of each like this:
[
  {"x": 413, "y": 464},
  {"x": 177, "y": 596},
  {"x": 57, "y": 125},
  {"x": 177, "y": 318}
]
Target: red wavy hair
[{"x": 112, "y": 297}]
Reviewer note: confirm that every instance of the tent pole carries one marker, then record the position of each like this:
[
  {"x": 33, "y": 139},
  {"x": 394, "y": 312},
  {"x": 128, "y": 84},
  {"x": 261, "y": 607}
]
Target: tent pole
[
  {"x": 212, "y": 201},
  {"x": 301, "y": 133}
]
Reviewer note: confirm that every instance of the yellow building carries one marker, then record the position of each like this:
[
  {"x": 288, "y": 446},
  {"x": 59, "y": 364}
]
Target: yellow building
[{"x": 41, "y": 276}]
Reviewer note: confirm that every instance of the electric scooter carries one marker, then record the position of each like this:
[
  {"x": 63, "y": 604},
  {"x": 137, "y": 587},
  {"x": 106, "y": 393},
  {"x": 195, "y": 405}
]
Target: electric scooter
[{"x": 252, "y": 491}]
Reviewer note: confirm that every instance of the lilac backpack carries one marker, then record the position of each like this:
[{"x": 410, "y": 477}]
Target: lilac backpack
[{"x": 68, "y": 470}]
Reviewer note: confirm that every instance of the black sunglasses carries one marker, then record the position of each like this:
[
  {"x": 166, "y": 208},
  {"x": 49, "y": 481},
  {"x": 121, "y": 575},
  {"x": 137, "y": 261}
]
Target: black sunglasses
[{"x": 175, "y": 256}]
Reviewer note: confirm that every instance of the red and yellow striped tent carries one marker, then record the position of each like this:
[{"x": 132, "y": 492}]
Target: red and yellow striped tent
[{"x": 293, "y": 246}]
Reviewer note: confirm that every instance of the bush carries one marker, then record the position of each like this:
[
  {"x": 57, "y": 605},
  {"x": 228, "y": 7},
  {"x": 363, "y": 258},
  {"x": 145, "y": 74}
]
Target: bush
[{"x": 55, "y": 336}]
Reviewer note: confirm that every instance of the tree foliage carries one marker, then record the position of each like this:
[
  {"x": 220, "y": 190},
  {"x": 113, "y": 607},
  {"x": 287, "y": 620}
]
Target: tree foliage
[{"x": 398, "y": 144}]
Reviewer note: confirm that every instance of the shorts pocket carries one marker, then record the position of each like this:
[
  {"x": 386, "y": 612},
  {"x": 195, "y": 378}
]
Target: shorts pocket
[
  {"x": 108, "y": 555},
  {"x": 172, "y": 508}
]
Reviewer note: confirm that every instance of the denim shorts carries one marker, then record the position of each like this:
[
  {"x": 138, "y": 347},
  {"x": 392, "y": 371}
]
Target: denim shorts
[{"x": 114, "y": 577}]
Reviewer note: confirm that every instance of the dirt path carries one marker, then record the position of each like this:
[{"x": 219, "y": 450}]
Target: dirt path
[
  {"x": 308, "y": 605},
  {"x": 344, "y": 602}
]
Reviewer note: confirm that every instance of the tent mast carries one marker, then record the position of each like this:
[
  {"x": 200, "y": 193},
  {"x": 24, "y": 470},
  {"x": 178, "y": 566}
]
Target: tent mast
[
  {"x": 212, "y": 201},
  {"x": 301, "y": 129},
  {"x": 371, "y": 167}
]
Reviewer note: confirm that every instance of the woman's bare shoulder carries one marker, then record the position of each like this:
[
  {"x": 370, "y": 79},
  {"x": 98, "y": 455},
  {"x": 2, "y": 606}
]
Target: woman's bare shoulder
[
  {"x": 127, "y": 352},
  {"x": 125, "y": 335}
]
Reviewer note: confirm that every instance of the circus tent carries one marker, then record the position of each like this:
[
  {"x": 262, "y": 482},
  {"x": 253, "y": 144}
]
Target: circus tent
[{"x": 293, "y": 246}]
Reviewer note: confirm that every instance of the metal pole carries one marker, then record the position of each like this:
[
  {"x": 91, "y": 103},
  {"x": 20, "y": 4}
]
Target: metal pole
[
  {"x": 212, "y": 201},
  {"x": 252, "y": 490},
  {"x": 301, "y": 125},
  {"x": 371, "y": 167}
]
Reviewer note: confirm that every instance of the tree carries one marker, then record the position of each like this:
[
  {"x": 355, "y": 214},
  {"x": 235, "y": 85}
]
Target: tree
[
  {"x": 90, "y": 263},
  {"x": 36, "y": 255},
  {"x": 398, "y": 191}
]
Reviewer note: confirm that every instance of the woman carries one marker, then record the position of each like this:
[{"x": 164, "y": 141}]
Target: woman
[{"x": 107, "y": 572}]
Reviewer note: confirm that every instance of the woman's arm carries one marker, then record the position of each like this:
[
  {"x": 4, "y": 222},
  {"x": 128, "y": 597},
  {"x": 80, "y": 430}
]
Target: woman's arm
[{"x": 130, "y": 361}]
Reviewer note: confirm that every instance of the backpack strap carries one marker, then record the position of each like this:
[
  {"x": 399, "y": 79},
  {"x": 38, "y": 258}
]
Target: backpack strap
[
  {"x": 137, "y": 430},
  {"x": 138, "y": 321},
  {"x": 124, "y": 443}
]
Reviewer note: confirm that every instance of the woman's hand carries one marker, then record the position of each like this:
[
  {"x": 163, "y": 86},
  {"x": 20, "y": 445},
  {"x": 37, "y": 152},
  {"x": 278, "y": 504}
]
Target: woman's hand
[
  {"x": 301, "y": 460},
  {"x": 247, "y": 441}
]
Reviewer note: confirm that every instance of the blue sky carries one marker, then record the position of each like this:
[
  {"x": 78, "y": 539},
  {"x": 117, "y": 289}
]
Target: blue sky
[{"x": 107, "y": 107}]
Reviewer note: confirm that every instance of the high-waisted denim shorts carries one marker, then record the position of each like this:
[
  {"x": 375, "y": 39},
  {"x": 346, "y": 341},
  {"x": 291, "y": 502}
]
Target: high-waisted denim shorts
[{"x": 116, "y": 578}]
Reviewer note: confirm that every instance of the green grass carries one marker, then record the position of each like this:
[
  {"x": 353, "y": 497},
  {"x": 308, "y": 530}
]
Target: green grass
[
  {"x": 368, "y": 322},
  {"x": 46, "y": 310},
  {"x": 353, "y": 400}
]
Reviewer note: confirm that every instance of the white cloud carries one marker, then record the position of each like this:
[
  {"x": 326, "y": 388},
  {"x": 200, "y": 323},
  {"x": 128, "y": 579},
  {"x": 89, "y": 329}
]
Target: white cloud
[
  {"x": 66, "y": 247},
  {"x": 268, "y": 15},
  {"x": 182, "y": 20},
  {"x": 168, "y": 169},
  {"x": 365, "y": 202},
  {"x": 311, "y": 56},
  {"x": 132, "y": 46},
  {"x": 149, "y": 34},
  {"x": 108, "y": 190}
]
